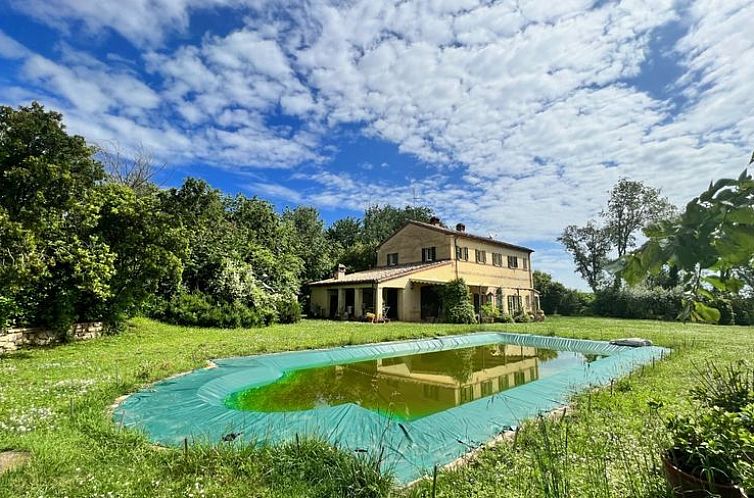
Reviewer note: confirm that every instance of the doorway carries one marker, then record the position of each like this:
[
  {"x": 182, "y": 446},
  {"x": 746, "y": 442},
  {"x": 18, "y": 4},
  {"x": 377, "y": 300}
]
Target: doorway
[
  {"x": 391, "y": 301},
  {"x": 431, "y": 303},
  {"x": 333, "y": 304}
]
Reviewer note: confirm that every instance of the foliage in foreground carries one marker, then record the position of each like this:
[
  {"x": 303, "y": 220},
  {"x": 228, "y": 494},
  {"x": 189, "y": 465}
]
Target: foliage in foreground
[{"x": 711, "y": 245}]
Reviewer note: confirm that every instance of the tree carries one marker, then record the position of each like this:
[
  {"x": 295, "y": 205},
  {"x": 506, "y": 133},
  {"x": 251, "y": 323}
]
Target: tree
[
  {"x": 149, "y": 248},
  {"x": 556, "y": 298},
  {"x": 589, "y": 246},
  {"x": 358, "y": 241},
  {"x": 310, "y": 242},
  {"x": 711, "y": 243},
  {"x": 136, "y": 170},
  {"x": 54, "y": 261},
  {"x": 631, "y": 206}
]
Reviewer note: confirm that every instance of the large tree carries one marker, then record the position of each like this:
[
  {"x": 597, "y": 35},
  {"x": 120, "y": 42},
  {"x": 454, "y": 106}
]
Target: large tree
[
  {"x": 632, "y": 206},
  {"x": 589, "y": 245},
  {"x": 74, "y": 247},
  {"x": 53, "y": 258}
]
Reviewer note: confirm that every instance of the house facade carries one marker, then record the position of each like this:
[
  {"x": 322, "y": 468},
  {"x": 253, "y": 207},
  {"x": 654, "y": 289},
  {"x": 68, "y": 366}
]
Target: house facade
[{"x": 412, "y": 264}]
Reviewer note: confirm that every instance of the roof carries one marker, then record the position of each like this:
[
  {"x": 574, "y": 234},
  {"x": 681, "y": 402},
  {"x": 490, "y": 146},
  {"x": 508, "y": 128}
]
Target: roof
[
  {"x": 465, "y": 235},
  {"x": 381, "y": 274}
]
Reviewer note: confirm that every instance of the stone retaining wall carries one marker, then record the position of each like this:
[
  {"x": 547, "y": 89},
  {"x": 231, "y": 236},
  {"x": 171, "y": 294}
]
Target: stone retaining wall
[{"x": 12, "y": 339}]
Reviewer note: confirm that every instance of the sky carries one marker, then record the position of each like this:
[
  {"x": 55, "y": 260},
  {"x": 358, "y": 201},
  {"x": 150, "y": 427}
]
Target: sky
[{"x": 513, "y": 117}]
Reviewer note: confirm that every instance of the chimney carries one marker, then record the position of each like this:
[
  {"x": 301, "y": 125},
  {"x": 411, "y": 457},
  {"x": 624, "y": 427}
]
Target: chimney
[
  {"x": 460, "y": 227},
  {"x": 341, "y": 271},
  {"x": 434, "y": 221}
]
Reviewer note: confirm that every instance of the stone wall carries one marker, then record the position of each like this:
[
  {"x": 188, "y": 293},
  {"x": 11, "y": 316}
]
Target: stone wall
[{"x": 12, "y": 339}]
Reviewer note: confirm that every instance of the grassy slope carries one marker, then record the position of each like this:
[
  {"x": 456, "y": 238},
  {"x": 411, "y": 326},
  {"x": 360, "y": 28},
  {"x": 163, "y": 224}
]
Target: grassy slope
[{"x": 77, "y": 451}]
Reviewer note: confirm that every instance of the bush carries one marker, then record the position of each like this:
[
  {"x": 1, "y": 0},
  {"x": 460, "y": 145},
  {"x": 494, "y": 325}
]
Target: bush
[
  {"x": 743, "y": 310},
  {"x": 522, "y": 317},
  {"x": 505, "y": 318},
  {"x": 7, "y": 311},
  {"x": 289, "y": 310},
  {"x": 727, "y": 315},
  {"x": 490, "y": 312},
  {"x": 456, "y": 302},
  {"x": 653, "y": 304},
  {"x": 197, "y": 310}
]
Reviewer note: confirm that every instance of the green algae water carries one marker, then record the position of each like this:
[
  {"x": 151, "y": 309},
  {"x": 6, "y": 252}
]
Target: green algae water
[{"x": 409, "y": 387}]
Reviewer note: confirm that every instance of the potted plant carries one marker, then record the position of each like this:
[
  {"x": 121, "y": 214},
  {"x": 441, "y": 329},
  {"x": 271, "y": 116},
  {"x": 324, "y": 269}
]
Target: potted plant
[{"x": 710, "y": 453}]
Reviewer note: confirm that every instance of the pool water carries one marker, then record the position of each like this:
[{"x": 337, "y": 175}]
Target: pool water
[{"x": 409, "y": 387}]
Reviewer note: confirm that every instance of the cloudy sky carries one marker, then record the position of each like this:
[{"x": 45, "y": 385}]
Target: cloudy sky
[{"x": 514, "y": 117}]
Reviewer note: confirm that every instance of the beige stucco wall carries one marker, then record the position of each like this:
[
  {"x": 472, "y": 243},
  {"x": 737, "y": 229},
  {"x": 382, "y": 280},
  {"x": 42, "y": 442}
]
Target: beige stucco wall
[{"x": 409, "y": 241}]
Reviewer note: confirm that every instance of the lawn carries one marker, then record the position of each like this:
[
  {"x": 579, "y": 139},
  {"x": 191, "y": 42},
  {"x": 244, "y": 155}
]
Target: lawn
[{"x": 54, "y": 404}]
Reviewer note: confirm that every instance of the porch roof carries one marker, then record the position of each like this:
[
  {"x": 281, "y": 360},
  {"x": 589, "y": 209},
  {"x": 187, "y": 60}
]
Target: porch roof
[{"x": 380, "y": 274}]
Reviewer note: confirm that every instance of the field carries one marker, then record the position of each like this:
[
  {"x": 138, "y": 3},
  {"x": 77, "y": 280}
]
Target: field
[{"x": 54, "y": 404}]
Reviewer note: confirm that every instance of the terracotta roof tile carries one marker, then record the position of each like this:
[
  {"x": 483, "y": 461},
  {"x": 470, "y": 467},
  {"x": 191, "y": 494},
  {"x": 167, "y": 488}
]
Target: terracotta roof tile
[{"x": 380, "y": 274}]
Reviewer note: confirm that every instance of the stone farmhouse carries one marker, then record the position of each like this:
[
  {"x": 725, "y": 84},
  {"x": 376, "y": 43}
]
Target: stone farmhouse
[{"x": 418, "y": 258}]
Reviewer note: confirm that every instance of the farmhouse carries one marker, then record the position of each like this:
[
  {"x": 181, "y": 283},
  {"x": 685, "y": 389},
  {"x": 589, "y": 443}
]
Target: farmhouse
[{"x": 418, "y": 258}]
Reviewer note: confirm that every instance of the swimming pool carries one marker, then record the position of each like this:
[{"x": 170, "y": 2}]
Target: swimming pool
[{"x": 419, "y": 403}]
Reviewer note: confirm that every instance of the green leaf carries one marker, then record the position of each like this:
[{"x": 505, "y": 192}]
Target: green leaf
[
  {"x": 705, "y": 313},
  {"x": 716, "y": 282},
  {"x": 742, "y": 215}
]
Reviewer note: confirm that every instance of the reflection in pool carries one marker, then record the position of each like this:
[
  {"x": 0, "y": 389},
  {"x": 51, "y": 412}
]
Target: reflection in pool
[{"x": 409, "y": 387}]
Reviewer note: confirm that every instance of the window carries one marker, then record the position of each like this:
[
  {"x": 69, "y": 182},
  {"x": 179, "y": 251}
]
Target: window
[
  {"x": 519, "y": 378},
  {"x": 526, "y": 263},
  {"x": 462, "y": 253},
  {"x": 497, "y": 259},
  {"x": 481, "y": 256},
  {"x": 527, "y": 300},
  {"x": 486, "y": 388},
  {"x": 429, "y": 254},
  {"x": 431, "y": 392},
  {"x": 503, "y": 383},
  {"x": 392, "y": 259},
  {"x": 514, "y": 304},
  {"x": 467, "y": 394},
  {"x": 512, "y": 262}
]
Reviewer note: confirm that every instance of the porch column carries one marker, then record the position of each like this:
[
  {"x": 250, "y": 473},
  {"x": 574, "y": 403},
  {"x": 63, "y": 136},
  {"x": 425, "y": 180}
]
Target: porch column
[
  {"x": 378, "y": 301},
  {"x": 358, "y": 302},
  {"x": 341, "y": 302}
]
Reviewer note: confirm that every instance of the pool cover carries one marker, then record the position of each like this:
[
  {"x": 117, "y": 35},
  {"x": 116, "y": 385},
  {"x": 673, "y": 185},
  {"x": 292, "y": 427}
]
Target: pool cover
[{"x": 194, "y": 406}]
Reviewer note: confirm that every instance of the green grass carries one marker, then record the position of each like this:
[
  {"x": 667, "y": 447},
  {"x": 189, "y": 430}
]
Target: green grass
[{"x": 54, "y": 403}]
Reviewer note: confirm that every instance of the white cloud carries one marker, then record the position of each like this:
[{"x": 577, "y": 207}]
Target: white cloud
[{"x": 525, "y": 113}]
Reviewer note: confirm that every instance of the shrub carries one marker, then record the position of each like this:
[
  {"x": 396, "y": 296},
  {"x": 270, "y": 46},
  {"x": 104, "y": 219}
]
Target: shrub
[
  {"x": 743, "y": 310},
  {"x": 522, "y": 317},
  {"x": 7, "y": 310},
  {"x": 289, "y": 310},
  {"x": 456, "y": 302},
  {"x": 197, "y": 310},
  {"x": 727, "y": 315},
  {"x": 490, "y": 311},
  {"x": 657, "y": 304},
  {"x": 505, "y": 318}
]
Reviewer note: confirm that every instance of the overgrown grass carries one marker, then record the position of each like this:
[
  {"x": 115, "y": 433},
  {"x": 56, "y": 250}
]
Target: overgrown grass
[{"x": 54, "y": 403}]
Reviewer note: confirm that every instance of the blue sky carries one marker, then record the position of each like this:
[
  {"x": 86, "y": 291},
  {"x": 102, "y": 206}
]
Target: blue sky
[{"x": 513, "y": 117}]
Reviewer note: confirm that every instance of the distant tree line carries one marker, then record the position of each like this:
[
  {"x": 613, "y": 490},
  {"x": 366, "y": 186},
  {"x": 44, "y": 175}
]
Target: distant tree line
[{"x": 86, "y": 235}]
